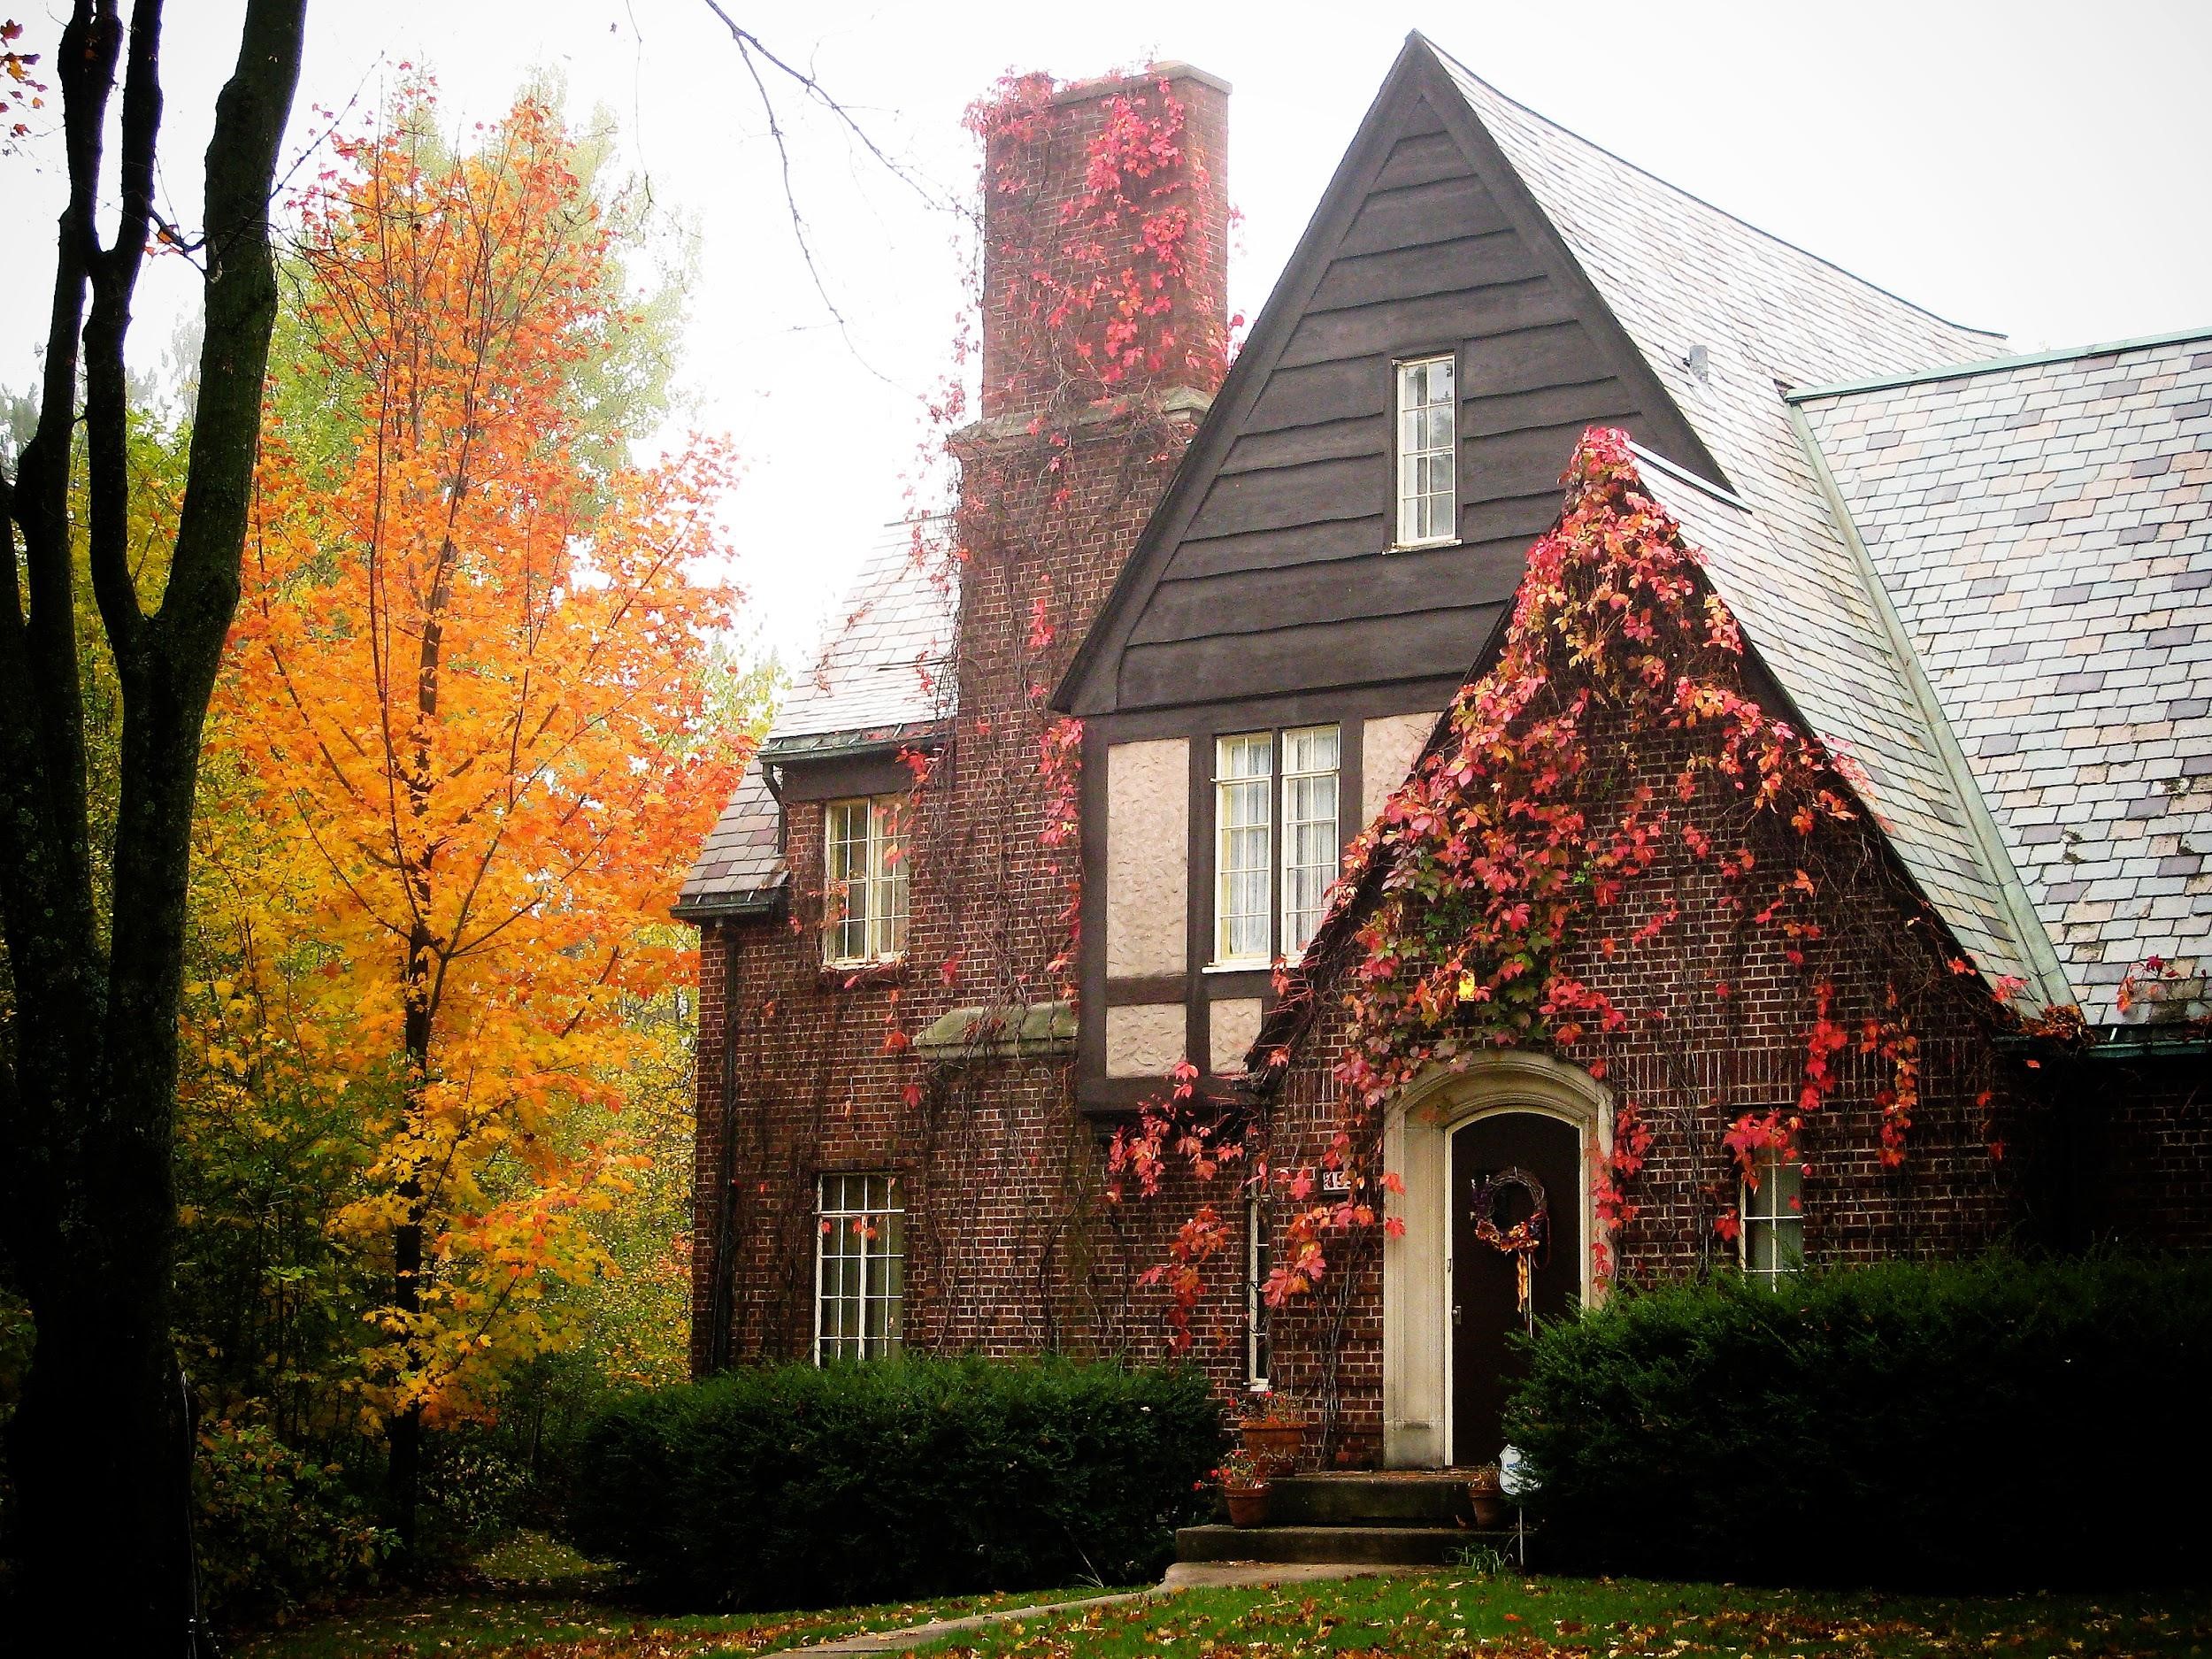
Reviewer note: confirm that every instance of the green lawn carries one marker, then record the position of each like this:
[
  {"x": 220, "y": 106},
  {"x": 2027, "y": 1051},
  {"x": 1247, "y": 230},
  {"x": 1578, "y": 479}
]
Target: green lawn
[
  {"x": 1461, "y": 1615},
  {"x": 507, "y": 1624},
  {"x": 1464, "y": 1614}
]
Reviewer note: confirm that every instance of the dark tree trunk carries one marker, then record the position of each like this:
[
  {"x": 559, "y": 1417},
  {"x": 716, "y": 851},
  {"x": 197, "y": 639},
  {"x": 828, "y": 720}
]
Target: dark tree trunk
[
  {"x": 403, "y": 1431},
  {"x": 99, "y": 1450}
]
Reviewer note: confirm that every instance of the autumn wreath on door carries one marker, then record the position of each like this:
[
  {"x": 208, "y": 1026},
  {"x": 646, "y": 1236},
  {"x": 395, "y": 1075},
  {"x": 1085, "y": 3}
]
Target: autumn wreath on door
[{"x": 1524, "y": 1239}]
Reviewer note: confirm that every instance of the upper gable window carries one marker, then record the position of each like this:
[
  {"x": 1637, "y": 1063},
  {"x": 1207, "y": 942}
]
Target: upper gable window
[
  {"x": 1428, "y": 442},
  {"x": 864, "y": 864}
]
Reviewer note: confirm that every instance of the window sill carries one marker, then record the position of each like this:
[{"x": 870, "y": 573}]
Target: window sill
[
  {"x": 860, "y": 976},
  {"x": 1424, "y": 547},
  {"x": 1258, "y": 965}
]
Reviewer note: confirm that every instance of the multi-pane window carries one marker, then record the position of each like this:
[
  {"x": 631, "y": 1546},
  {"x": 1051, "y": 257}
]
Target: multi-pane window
[
  {"x": 1266, "y": 820},
  {"x": 1309, "y": 830},
  {"x": 1243, "y": 813},
  {"x": 1427, "y": 444},
  {"x": 1256, "y": 1267},
  {"x": 1774, "y": 1220},
  {"x": 860, "y": 1268},
  {"x": 863, "y": 904}
]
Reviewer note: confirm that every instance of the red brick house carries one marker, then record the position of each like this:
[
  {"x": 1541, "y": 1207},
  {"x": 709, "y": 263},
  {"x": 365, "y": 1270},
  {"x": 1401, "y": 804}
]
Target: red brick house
[{"x": 950, "y": 943}]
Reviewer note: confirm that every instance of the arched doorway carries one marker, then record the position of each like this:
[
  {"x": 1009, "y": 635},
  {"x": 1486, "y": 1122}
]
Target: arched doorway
[
  {"x": 1423, "y": 1368},
  {"x": 1503, "y": 1163}
]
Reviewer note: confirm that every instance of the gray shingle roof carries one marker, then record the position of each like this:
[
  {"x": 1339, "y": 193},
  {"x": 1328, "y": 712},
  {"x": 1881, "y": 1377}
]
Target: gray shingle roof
[
  {"x": 881, "y": 677},
  {"x": 2045, "y": 530},
  {"x": 1677, "y": 274},
  {"x": 879, "y": 673},
  {"x": 741, "y": 866}
]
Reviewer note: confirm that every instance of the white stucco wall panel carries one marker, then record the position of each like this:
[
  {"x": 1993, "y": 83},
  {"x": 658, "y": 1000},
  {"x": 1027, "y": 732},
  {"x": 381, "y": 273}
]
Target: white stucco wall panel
[
  {"x": 1389, "y": 745},
  {"x": 1233, "y": 1025},
  {"x": 1144, "y": 1039},
  {"x": 1148, "y": 857}
]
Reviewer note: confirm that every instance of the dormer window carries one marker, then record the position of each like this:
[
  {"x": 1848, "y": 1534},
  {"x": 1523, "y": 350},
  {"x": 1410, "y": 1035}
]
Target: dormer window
[
  {"x": 865, "y": 880},
  {"x": 1428, "y": 442}
]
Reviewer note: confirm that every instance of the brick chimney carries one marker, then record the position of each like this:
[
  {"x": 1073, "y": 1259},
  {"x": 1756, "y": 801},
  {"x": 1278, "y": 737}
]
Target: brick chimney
[{"x": 1105, "y": 240}]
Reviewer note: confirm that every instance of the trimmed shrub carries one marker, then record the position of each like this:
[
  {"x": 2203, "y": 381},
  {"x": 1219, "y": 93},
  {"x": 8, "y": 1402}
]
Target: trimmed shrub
[
  {"x": 1993, "y": 1423},
  {"x": 276, "y": 1531},
  {"x": 798, "y": 1486}
]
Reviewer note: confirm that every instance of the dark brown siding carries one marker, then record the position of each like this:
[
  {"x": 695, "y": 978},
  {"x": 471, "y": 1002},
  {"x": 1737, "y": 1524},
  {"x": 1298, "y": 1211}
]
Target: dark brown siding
[{"x": 1280, "y": 581}]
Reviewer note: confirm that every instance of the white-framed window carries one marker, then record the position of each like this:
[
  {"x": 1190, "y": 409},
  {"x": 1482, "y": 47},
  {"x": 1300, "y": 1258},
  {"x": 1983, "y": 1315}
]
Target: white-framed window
[
  {"x": 859, "y": 1267},
  {"x": 1773, "y": 1235},
  {"x": 1244, "y": 792},
  {"x": 1256, "y": 1267},
  {"x": 1263, "y": 822},
  {"x": 865, "y": 879},
  {"x": 1311, "y": 755},
  {"x": 1428, "y": 445}
]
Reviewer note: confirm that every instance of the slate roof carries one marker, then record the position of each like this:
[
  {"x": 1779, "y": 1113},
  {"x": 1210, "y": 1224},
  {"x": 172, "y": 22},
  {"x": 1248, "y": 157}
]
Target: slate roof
[
  {"x": 877, "y": 678},
  {"x": 1693, "y": 286},
  {"x": 881, "y": 679},
  {"x": 2044, "y": 528}
]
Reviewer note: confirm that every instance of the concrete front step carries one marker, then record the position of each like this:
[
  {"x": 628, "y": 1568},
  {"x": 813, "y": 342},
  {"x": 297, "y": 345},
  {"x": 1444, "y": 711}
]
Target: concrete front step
[
  {"x": 1407, "y": 1497},
  {"x": 1366, "y": 1546}
]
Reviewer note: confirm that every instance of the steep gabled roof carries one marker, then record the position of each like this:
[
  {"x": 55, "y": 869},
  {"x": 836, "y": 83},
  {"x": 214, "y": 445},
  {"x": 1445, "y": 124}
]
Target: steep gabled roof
[
  {"x": 1728, "y": 318},
  {"x": 2044, "y": 528},
  {"x": 1412, "y": 214},
  {"x": 881, "y": 679}
]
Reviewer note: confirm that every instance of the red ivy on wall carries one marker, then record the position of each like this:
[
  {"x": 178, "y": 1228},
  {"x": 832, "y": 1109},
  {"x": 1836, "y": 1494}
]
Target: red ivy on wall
[{"x": 1523, "y": 831}]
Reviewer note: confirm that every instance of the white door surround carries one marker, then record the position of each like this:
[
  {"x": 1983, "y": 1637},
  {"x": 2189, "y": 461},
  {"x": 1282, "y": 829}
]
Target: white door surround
[{"x": 1416, "y": 1265}]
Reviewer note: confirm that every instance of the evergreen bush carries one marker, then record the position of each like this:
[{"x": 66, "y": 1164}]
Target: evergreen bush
[
  {"x": 1998, "y": 1422},
  {"x": 801, "y": 1487}
]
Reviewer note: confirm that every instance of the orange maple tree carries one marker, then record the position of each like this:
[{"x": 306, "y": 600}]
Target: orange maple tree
[{"x": 469, "y": 673}]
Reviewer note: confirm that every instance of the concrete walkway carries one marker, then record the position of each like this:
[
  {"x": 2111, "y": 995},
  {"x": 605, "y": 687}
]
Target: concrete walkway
[
  {"x": 1192, "y": 1575},
  {"x": 918, "y": 1635}
]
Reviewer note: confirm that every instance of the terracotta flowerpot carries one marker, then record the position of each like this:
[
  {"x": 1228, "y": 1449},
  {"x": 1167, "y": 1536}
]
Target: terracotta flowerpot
[
  {"x": 1275, "y": 1445},
  {"x": 1247, "y": 1505},
  {"x": 1486, "y": 1494}
]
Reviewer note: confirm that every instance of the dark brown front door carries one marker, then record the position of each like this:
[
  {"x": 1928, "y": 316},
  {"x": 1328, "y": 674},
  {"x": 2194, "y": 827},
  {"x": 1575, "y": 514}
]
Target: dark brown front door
[{"x": 1485, "y": 1297}]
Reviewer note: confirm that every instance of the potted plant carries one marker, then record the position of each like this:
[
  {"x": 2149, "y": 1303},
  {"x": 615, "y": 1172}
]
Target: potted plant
[
  {"x": 1245, "y": 1485},
  {"x": 1273, "y": 1436},
  {"x": 1486, "y": 1493}
]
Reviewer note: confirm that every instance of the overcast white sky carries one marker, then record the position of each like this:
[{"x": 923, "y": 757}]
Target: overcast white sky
[{"x": 2040, "y": 168}]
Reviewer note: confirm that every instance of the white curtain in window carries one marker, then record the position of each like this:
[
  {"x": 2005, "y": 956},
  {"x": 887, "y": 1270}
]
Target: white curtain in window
[
  {"x": 1310, "y": 759},
  {"x": 1243, "y": 768}
]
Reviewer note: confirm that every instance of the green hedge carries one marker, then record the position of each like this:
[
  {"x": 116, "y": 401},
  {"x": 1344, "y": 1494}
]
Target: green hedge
[
  {"x": 798, "y": 1486},
  {"x": 1990, "y": 1423}
]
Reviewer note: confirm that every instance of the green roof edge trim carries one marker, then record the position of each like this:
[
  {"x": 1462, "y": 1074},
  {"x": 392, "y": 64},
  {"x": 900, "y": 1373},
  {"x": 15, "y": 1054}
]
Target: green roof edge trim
[{"x": 1997, "y": 365}]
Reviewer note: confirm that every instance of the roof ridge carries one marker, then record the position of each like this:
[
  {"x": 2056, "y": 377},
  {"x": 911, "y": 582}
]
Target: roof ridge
[
  {"x": 1457, "y": 66},
  {"x": 1998, "y": 366}
]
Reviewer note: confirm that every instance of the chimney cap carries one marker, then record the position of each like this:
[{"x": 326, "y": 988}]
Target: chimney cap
[{"x": 1172, "y": 69}]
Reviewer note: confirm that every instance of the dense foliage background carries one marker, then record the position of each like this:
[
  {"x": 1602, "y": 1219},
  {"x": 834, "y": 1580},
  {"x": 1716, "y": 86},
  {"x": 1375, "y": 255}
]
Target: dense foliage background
[
  {"x": 556, "y": 1227},
  {"x": 798, "y": 1486},
  {"x": 1996, "y": 1422}
]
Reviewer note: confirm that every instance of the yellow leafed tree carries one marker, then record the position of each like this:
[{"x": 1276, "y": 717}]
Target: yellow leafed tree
[{"x": 469, "y": 680}]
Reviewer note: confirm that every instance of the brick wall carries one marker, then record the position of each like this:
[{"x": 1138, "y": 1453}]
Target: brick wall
[
  {"x": 802, "y": 1071},
  {"x": 1691, "y": 1062}
]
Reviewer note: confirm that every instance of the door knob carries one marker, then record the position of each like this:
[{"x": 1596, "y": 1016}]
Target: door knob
[{"x": 1455, "y": 1313}]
